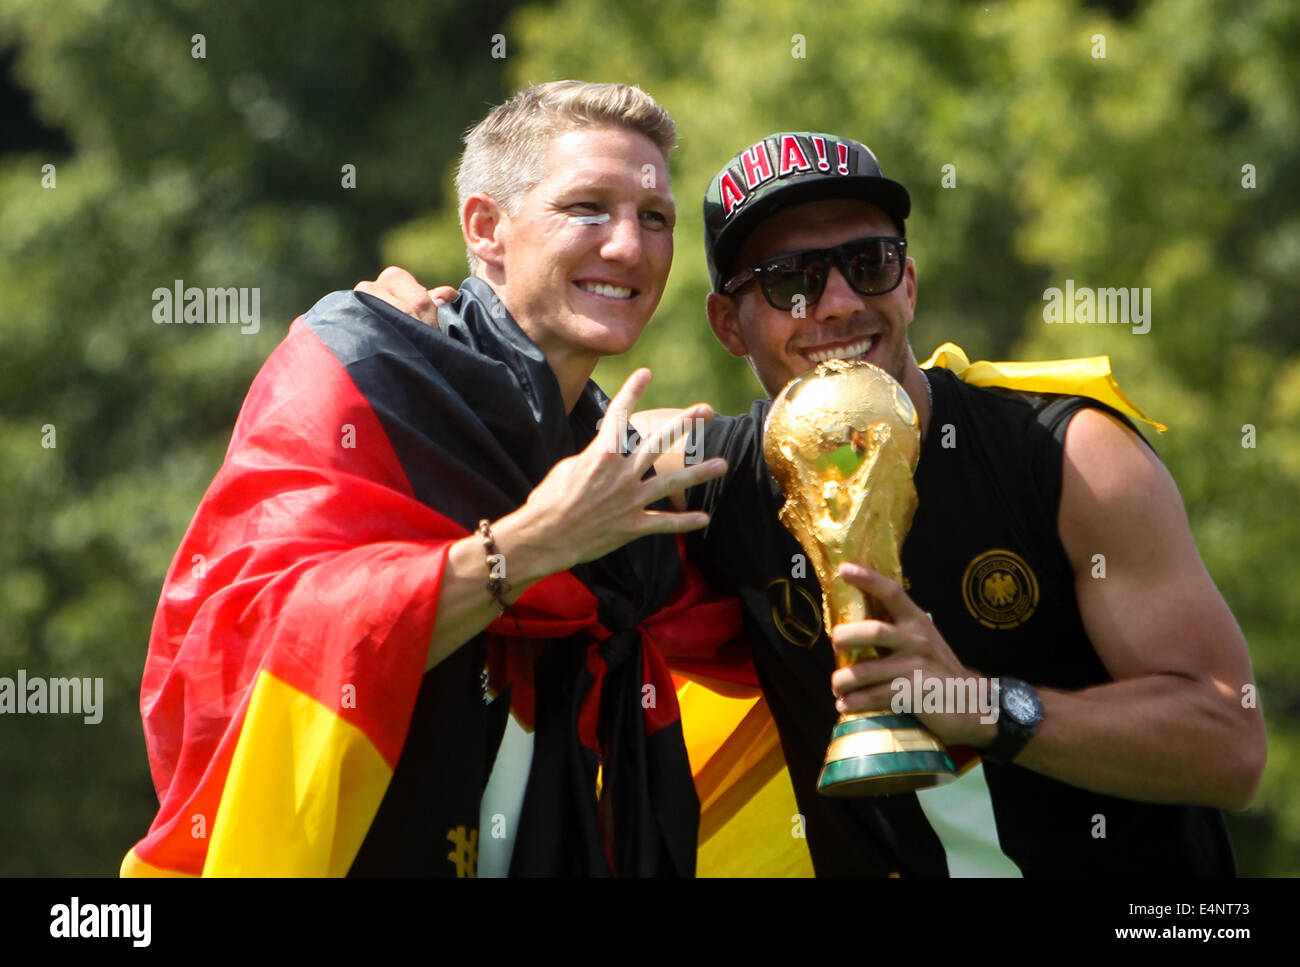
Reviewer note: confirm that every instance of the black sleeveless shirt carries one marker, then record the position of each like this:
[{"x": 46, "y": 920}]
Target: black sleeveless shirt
[{"x": 984, "y": 558}]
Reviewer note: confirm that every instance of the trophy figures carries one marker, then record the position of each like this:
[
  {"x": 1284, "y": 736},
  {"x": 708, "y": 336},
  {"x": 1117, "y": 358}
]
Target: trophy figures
[{"x": 842, "y": 443}]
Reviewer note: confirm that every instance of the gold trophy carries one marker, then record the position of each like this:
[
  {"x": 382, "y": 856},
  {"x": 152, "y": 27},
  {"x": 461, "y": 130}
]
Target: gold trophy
[{"x": 842, "y": 443}]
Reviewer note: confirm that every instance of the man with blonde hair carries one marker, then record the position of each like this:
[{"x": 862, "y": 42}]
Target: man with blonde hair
[
  {"x": 418, "y": 531},
  {"x": 504, "y": 153}
]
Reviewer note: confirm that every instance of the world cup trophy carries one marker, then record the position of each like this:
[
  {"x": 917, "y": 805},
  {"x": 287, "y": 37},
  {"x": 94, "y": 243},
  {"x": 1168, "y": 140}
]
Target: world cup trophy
[{"x": 843, "y": 442}]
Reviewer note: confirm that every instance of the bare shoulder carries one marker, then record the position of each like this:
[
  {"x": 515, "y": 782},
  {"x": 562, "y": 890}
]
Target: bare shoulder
[
  {"x": 1108, "y": 451},
  {"x": 1145, "y": 596},
  {"x": 1113, "y": 484}
]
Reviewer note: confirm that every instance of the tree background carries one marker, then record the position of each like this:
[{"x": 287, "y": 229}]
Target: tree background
[{"x": 227, "y": 170}]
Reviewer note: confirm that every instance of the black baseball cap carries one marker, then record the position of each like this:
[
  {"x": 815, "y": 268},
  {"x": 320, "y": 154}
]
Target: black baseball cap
[{"x": 785, "y": 169}]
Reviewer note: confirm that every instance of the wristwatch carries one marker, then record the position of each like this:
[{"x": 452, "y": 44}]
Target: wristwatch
[{"x": 1020, "y": 712}]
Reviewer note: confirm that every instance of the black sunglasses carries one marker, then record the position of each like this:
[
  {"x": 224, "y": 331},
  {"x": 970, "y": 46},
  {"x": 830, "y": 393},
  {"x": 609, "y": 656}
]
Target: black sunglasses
[{"x": 872, "y": 266}]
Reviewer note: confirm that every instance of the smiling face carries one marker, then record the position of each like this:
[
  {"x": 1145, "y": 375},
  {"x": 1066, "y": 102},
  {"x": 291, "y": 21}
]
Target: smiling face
[
  {"x": 582, "y": 264},
  {"x": 842, "y": 324}
]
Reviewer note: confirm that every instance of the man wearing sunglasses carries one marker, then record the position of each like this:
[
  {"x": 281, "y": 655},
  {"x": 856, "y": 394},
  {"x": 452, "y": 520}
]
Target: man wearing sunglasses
[{"x": 1122, "y": 728}]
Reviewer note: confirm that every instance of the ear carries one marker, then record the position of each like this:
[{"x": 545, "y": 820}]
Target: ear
[
  {"x": 909, "y": 283},
  {"x": 724, "y": 319},
  {"x": 485, "y": 226}
]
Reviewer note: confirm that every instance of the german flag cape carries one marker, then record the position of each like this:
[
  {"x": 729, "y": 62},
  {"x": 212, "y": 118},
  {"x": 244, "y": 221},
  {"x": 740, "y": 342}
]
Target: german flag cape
[
  {"x": 290, "y": 724},
  {"x": 744, "y": 786}
]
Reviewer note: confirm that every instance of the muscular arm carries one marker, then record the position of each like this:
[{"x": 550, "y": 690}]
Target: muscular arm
[{"x": 1171, "y": 728}]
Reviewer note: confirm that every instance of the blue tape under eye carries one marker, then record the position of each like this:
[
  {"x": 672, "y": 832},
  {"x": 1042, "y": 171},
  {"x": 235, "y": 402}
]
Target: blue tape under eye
[{"x": 600, "y": 219}]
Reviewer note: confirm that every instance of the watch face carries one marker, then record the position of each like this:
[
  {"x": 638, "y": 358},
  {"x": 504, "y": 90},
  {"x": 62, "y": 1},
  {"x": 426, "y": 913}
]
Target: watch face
[{"x": 1020, "y": 705}]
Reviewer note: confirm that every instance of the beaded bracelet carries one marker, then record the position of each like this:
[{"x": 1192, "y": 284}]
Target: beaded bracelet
[{"x": 497, "y": 585}]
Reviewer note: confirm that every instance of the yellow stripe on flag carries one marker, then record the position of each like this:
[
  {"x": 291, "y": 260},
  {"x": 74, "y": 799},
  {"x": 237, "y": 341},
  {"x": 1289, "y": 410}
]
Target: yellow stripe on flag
[
  {"x": 764, "y": 838},
  {"x": 303, "y": 789},
  {"x": 747, "y": 805},
  {"x": 133, "y": 866}
]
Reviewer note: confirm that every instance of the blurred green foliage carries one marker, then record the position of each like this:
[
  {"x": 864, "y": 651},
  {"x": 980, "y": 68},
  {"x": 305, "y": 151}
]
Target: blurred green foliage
[{"x": 226, "y": 170}]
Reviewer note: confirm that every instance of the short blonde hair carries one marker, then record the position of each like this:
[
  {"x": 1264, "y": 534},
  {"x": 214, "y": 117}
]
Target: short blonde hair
[{"x": 504, "y": 152}]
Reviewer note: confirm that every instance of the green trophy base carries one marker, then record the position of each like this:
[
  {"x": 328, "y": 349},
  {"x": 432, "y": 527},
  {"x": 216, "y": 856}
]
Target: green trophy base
[{"x": 880, "y": 754}]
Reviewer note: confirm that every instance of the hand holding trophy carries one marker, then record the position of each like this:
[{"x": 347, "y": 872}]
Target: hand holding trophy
[{"x": 843, "y": 442}]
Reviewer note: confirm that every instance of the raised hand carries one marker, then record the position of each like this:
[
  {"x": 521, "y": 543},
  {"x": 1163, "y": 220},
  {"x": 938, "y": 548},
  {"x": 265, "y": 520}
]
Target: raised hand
[{"x": 595, "y": 501}]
